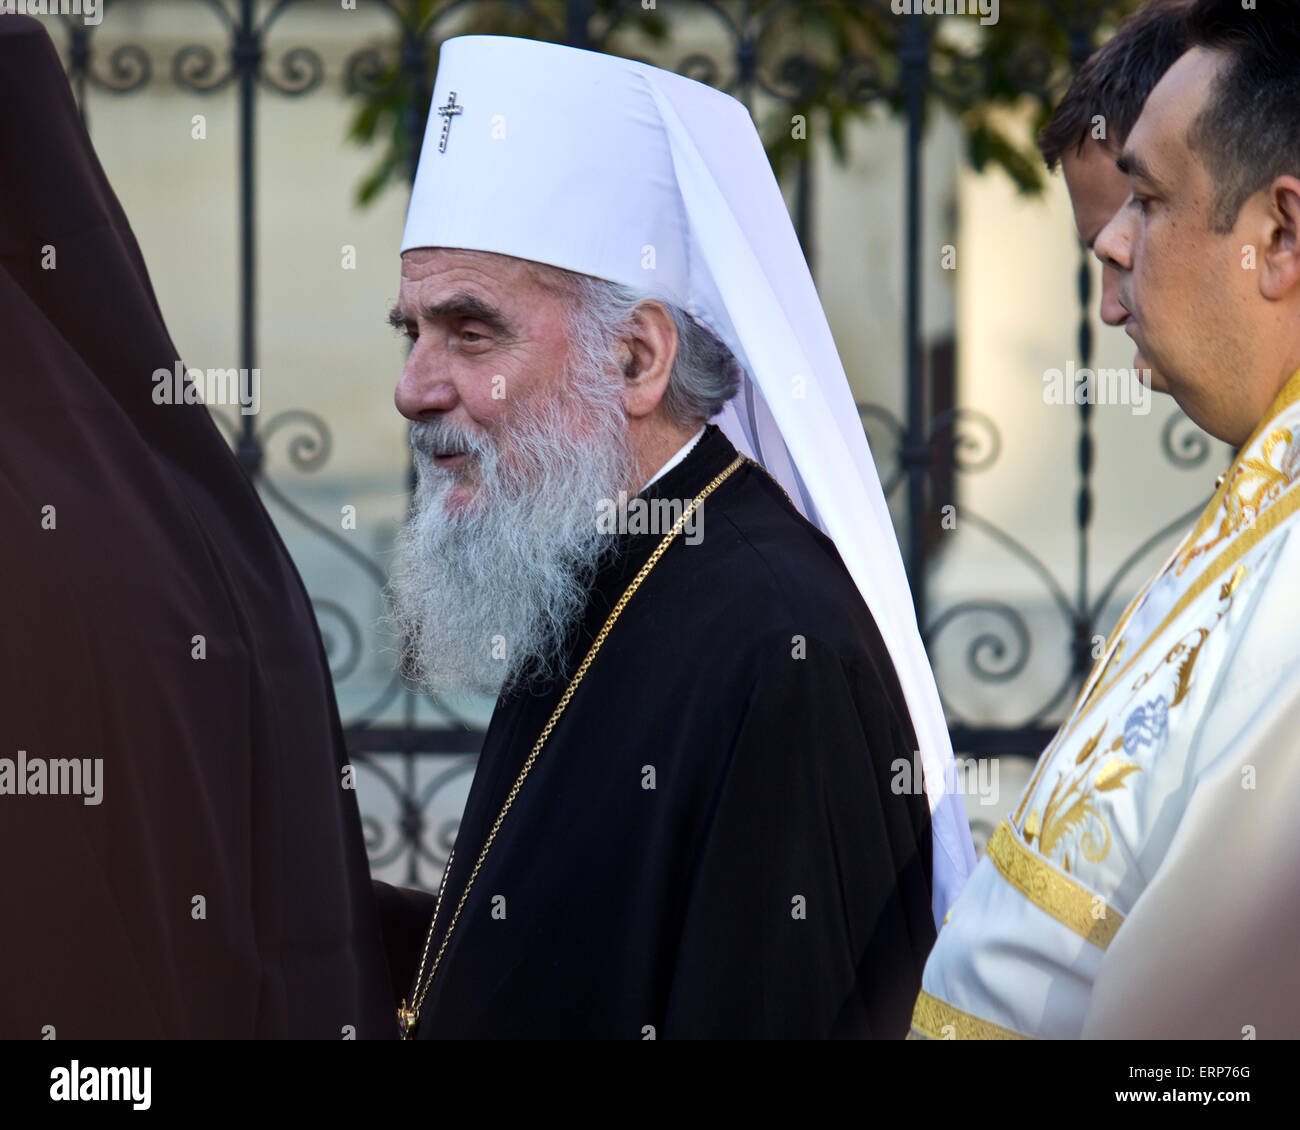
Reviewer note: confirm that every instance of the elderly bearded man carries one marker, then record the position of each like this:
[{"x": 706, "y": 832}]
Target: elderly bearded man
[{"x": 686, "y": 820}]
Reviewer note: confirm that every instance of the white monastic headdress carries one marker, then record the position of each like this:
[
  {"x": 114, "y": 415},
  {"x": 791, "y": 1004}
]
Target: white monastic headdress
[{"x": 636, "y": 175}]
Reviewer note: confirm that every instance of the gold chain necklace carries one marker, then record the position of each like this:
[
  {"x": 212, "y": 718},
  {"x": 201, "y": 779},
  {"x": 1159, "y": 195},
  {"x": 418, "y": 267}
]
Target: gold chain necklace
[{"x": 408, "y": 1018}]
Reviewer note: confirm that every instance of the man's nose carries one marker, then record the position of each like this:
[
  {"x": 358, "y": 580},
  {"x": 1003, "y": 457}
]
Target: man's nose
[
  {"x": 1113, "y": 243},
  {"x": 1112, "y": 313},
  {"x": 422, "y": 391}
]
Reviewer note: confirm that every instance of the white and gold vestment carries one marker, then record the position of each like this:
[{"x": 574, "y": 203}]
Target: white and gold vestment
[{"x": 1147, "y": 882}]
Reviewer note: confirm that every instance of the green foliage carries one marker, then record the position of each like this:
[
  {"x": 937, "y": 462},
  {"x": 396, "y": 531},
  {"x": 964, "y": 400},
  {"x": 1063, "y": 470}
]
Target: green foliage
[{"x": 831, "y": 61}]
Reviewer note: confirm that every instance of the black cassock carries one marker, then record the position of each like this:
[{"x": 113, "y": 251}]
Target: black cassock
[
  {"x": 220, "y": 886},
  {"x": 770, "y": 883}
]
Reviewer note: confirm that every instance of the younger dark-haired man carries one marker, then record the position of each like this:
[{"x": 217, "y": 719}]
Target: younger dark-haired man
[{"x": 1093, "y": 120}]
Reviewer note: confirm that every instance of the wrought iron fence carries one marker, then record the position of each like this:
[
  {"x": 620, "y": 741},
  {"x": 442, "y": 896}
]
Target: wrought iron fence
[{"x": 920, "y": 454}]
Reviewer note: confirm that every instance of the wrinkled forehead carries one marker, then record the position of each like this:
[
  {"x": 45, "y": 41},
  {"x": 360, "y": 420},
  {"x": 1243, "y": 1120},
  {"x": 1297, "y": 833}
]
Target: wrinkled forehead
[{"x": 420, "y": 261}]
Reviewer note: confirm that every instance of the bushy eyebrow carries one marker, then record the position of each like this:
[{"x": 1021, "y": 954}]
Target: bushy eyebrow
[{"x": 462, "y": 305}]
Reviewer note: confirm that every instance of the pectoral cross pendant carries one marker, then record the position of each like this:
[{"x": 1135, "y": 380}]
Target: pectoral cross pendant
[{"x": 406, "y": 1020}]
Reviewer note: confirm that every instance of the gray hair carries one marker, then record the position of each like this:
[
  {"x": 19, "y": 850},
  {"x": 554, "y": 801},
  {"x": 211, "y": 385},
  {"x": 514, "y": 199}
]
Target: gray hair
[{"x": 705, "y": 373}]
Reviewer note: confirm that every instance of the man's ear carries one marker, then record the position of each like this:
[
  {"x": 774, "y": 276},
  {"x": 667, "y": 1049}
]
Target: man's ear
[
  {"x": 1279, "y": 266},
  {"x": 650, "y": 350}
]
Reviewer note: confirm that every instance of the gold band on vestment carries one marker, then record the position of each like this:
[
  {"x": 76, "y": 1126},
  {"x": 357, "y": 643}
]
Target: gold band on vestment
[
  {"x": 1051, "y": 890},
  {"x": 934, "y": 1019}
]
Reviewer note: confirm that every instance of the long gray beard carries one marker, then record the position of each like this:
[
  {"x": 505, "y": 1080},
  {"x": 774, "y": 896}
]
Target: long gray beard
[{"x": 486, "y": 597}]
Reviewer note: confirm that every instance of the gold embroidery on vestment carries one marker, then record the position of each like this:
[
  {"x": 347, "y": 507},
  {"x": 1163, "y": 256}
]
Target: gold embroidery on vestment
[
  {"x": 1265, "y": 518},
  {"x": 1113, "y": 773},
  {"x": 1066, "y": 900},
  {"x": 1031, "y": 826},
  {"x": 1071, "y": 803},
  {"x": 1230, "y": 585},
  {"x": 1096, "y": 688},
  {"x": 1189, "y": 653},
  {"x": 931, "y": 1016},
  {"x": 1252, "y": 485},
  {"x": 1089, "y": 746},
  {"x": 1273, "y": 517}
]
